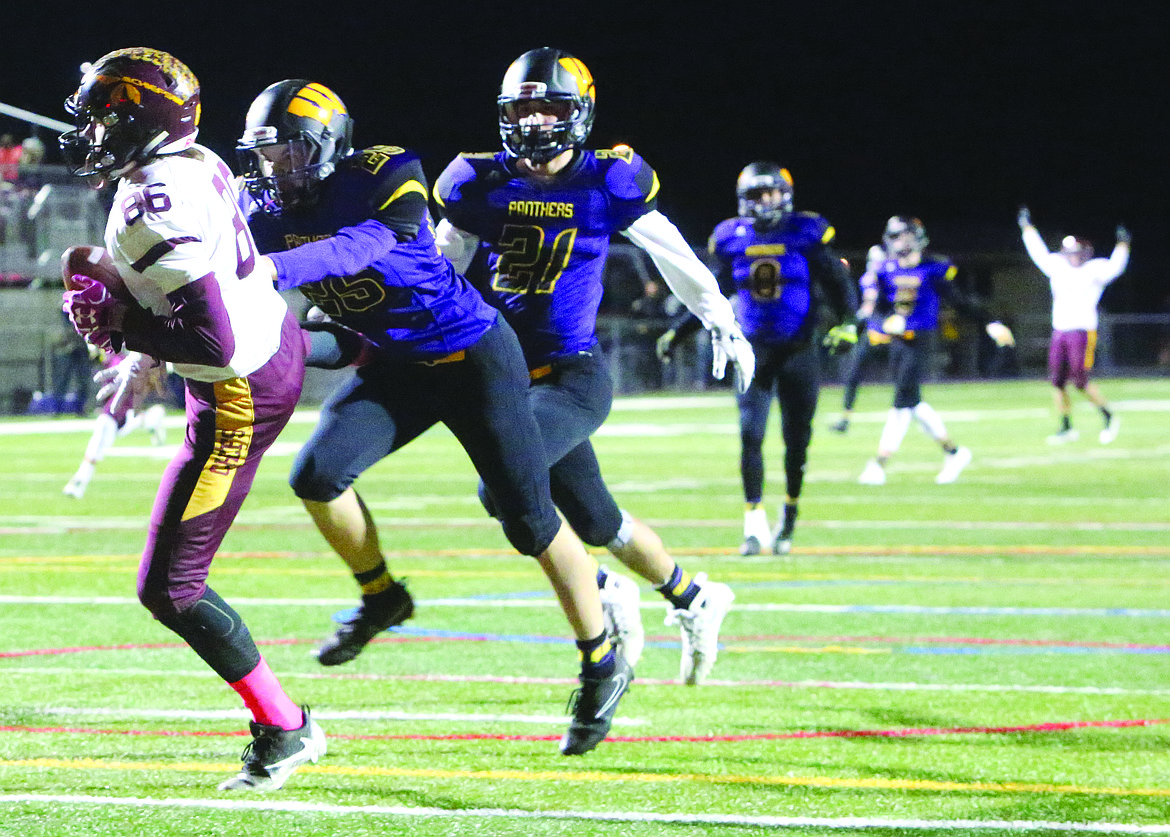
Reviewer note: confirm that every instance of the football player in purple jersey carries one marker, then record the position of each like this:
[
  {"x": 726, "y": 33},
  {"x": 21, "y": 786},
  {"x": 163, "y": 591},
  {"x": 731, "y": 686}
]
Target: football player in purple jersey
[
  {"x": 531, "y": 225},
  {"x": 351, "y": 230},
  {"x": 181, "y": 246},
  {"x": 781, "y": 266},
  {"x": 1077, "y": 281},
  {"x": 911, "y": 287}
]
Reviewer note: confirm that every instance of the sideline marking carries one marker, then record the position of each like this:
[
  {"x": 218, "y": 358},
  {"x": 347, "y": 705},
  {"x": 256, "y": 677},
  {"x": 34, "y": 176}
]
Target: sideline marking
[{"x": 843, "y": 823}]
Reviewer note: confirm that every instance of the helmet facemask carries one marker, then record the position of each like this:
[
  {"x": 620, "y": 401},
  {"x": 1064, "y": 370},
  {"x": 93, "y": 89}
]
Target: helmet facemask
[
  {"x": 764, "y": 193},
  {"x": 281, "y": 174},
  {"x": 904, "y": 236},
  {"x": 536, "y": 125}
]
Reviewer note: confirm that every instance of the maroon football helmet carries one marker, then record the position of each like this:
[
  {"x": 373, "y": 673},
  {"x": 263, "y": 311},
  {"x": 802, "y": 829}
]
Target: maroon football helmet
[{"x": 132, "y": 105}]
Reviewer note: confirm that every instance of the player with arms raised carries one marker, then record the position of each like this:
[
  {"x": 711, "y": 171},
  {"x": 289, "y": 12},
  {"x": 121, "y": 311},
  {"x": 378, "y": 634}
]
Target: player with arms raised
[
  {"x": 192, "y": 297},
  {"x": 531, "y": 225},
  {"x": 1077, "y": 281}
]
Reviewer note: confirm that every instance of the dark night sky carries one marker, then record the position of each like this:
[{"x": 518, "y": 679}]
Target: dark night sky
[{"x": 955, "y": 113}]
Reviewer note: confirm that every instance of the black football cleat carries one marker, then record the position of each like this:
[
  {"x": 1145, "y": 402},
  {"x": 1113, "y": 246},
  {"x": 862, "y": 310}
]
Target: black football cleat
[
  {"x": 593, "y": 707},
  {"x": 378, "y": 613}
]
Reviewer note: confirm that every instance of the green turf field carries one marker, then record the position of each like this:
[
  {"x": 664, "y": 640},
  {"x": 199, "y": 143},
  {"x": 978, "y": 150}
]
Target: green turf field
[{"x": 985, "y": 657}]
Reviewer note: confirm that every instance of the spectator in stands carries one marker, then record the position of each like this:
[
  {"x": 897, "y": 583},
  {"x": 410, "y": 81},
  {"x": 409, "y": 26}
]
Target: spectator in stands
[{"x": 9, "y": 157}]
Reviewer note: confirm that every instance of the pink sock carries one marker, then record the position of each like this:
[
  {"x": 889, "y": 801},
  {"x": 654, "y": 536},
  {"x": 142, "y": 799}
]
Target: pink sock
[{"x": 266, "y": 700}]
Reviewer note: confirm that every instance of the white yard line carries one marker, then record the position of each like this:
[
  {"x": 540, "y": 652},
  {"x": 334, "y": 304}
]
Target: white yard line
[
  {"x": 688, "y": 818},
  {"x": 845, "y": 685},
  {"x": 143, "y": 713}
]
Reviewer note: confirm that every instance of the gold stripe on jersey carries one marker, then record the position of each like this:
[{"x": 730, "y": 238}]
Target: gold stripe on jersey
[
  {"x": 952, "y": 272},
  {"x": 778, "y": 249},
  {"x": 405, "y": 188},
  {"x": 235, "y": 414},
  {"x": 316, "y": 101},
  {"x": 828, "y": 235},
  {"x": 653, "y": 189}
]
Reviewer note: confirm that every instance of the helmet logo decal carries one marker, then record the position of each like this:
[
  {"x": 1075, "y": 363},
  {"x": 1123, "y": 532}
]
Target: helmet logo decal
[
  {"x": 317, "y": 102},
  {"x": 581, "y": 73},
  {"x": 124, "y": 92}
]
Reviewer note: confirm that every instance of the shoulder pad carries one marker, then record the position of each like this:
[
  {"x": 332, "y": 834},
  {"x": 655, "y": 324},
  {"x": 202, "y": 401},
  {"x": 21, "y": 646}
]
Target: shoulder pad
[
  {"x": 724, "y": 230},
  {"x": 459, "y": 171},
  {"x": 814, "y": 227},
  {"x": 627, "y": 176}
]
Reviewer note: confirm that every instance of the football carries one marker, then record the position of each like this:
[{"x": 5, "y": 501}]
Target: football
[{"x": 95, "y": 263}]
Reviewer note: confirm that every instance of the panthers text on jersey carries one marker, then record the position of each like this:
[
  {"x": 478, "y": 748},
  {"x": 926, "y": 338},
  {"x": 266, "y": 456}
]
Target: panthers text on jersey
[
  {"x": 364, "y": 253},
  {"x": 916, "y": 292},
  {"x": 770, "y": 268},
  {"x": 543, "y": 245},
  {"x": 169, "y": 234}
]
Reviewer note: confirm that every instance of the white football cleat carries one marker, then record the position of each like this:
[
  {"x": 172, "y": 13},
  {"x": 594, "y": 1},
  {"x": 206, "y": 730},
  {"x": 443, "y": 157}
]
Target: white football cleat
[
  {"x": 274, "y": 753},
  {"x": 699, "y": 625},
  {"x": 1109, "y": 433},
  {"x": 874, "y": 474},
  {"x": 621, "y": 603},
  {"x": 1064, "y": 437},
  {"x": 75, "y": 487},
  {"x": 755, "y": 531},
  {"x": 953, "y": 465}
]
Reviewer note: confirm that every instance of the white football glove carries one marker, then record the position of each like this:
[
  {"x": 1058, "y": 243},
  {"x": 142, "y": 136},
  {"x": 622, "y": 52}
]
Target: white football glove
[
  {"x": 126, "y": 385},
  {"x": 1001, "y": 334},
  {"x": 732, "y": 346}
]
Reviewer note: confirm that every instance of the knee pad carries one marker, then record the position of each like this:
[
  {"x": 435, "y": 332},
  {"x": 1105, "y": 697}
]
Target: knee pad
[
  {"x": 214, "y": 631},
  {"x": 528, "y": 536},
  {"x": 310, "y": 483}
]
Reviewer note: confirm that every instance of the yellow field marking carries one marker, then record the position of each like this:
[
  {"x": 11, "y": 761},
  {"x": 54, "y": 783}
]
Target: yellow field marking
[{"x": 601, "y": 776}]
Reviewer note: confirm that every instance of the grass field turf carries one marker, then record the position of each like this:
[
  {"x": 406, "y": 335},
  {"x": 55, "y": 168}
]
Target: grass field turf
[{"x": 985, "y": 657}]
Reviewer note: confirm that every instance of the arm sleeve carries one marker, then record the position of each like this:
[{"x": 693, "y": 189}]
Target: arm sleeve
[
  {"x": 457, "y": 245},
  {"x": 1036, "y": 248},
  {"x": 1118, "y": 261},
  {"x": 346, "y": 253},
  {"x": 196, "y": 331},
  {"x": 686, "y": 276}
]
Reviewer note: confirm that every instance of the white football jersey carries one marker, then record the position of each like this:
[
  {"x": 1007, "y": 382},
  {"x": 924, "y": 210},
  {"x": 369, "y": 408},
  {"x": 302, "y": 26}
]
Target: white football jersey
[
  {"x": 177, "y": 220},
  {"x": 1076, "y": 291}
]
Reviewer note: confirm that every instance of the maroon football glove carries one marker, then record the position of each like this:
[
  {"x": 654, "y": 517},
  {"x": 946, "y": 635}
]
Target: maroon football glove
[{"x": 91, "y": 308}]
